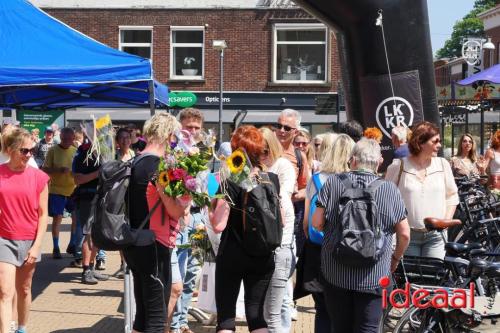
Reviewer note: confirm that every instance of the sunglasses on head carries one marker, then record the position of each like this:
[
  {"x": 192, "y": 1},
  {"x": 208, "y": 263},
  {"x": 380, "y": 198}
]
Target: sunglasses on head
[
  {"x": 285, "y": 127},
  {"x": 26, "y": 151}
]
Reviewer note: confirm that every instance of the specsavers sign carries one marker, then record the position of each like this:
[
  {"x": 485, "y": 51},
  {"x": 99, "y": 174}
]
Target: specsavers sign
[
  {"x": 40, "y": 119},
  {"x": 181, "y": 99}
]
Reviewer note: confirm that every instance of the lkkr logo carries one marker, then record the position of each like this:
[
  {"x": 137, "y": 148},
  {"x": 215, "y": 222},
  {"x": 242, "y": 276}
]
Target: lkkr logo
[{"x": 392, "y": 112}]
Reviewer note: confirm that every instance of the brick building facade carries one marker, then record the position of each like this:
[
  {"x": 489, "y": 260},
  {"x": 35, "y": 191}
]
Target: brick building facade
[{"x": 275, "y": 50}]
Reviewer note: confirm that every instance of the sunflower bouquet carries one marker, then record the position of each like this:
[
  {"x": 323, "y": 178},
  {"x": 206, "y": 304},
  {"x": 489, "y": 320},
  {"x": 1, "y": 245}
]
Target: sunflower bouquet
[
  {"x": 183, "y": 169},
  {"x": 237, "y": 168},
  {"x": 200, "y": 243}
]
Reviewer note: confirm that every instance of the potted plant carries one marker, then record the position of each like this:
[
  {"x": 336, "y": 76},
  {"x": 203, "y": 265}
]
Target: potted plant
[{"x": 188, "y": 69}]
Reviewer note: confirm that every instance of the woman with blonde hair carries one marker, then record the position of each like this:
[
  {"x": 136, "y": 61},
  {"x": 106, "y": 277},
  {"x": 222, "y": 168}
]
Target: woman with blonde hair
[
  {"x": 150, "y": 264},
  {"x": 335, "y": 156},
  {"x": 492, "y": 161},
  {"x": 277, "y": 312},
  {"x": 23, "y": 222},
  {"x": 465, "y": 162},
  {"x": 302, "y": 142}
]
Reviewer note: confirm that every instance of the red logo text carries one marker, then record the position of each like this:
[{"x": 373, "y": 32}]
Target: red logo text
[{"x": 422, "y": 298}]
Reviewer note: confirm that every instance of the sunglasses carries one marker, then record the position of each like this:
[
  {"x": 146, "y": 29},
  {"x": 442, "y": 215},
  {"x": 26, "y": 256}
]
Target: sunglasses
[
  {"x": 317, "y": 145},
  {"x": 300, "y": 144},
  {"x": 284, "y": 127},
  {"x": 436, "y": 141},
  {"x": 26, "y": 151}
]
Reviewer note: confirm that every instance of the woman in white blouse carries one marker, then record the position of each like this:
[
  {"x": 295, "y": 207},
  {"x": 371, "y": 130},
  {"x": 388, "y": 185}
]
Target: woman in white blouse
[
  {"x": 428, "y": 188},
  {"x": 276, "y": 309}
]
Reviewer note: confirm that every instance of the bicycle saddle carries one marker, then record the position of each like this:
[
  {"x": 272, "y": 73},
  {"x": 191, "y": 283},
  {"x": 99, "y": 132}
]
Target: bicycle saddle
[
  {"x": 432, "y": 223},
  {"x": 477, "y": 267},
  {"x": 493, "y": 271},
  {"x": 453, "y": 248}
]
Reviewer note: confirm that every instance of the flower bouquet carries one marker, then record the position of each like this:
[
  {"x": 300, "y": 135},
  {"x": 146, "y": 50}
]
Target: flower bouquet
[
  {"x": 237, "y": 169},
  {"x": 101, "y": 134},
  {"x": 200, "y": 243},
  {"x": 183, "y": 168}
]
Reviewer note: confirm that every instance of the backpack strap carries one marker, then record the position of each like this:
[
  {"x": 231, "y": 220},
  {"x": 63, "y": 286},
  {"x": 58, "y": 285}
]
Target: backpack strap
[
  {"x": 298, "y": 157},
  {"x": 401, "y": 169},
  {"x": 317, "y": 181},
  {"x": 346, "y": 181},
  {"x": 374, "y": 185},
  {"x": 148, "y": 217}
]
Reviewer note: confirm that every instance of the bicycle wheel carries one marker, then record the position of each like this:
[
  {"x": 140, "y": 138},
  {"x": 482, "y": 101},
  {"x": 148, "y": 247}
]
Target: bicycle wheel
[
  {"x": 409, "y": 321},
  {"x": 389, "y": 319}
]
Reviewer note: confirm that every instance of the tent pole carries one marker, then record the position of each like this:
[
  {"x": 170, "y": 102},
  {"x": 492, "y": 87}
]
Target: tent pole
[{"x": 151, "y": 89}]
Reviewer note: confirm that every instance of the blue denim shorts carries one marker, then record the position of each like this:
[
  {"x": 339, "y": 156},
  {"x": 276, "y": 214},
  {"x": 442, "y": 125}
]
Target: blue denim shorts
[{"x": 174, "y": 263}]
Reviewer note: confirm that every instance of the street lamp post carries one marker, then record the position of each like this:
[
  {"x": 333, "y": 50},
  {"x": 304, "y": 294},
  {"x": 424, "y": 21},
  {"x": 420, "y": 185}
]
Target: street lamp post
[
  {"x": 220, "y": 45},
  {"x": 473, "y": 53}
]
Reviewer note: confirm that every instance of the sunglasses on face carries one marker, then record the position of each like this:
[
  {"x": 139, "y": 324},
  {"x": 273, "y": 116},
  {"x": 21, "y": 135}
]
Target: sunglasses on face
[
  {"x": 26, "y": 151},
  {"x": 278, "y": 127},
  {"x": 436, "y": 141},
  {"x": 300, "y": 144}
]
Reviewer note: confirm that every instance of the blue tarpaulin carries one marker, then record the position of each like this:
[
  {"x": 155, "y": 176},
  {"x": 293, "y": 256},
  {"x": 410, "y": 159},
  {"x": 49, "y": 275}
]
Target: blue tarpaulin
[{"x": 46, "y": 64}]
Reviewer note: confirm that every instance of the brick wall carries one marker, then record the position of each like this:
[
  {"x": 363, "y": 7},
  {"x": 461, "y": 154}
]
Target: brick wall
[{"x": 248, "y": 33}]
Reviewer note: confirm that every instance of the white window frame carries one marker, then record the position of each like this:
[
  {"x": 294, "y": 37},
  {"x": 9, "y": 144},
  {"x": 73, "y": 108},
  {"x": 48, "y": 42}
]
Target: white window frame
[
  {"x": 299, "y": 26},
  {"x": 172, "y": 74},
  {"x": 133, "y": 27}
]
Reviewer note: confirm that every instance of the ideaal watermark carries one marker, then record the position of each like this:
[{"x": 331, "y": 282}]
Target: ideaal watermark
[{"x": 422, "y": 298}]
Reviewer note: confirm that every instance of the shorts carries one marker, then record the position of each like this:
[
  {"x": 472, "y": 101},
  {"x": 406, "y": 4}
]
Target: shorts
[
  {"x": 15, "y": 251},
  {"x": 57, "y": 204},
  {"x": 83, "y": 211},
  {"x": 174, "y": 263}
]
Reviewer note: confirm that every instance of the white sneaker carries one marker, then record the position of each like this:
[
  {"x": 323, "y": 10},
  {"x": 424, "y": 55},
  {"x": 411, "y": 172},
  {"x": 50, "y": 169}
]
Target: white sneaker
[
  {"x": 13, "y": 327},
  {"x": 293, "y": 313}
]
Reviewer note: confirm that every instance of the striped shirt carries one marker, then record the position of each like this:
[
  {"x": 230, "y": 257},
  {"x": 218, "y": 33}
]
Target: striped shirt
[{"x": 391, "y": 210}]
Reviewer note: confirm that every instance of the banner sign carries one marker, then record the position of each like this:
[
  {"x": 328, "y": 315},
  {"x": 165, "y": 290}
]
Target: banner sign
[
  {"x": 30, "y": 119},
  {"x": 384, "y": 111},
  {"x": 181, "y": 99},
  {"x": 473, "y": 92}
]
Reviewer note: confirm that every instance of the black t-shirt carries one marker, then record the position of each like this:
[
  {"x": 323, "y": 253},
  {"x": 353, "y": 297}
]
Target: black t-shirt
[
  {"x": 80, "y": 165},
  {"x": 138, "y": 146},
  {"x": 142, "y": 173}
]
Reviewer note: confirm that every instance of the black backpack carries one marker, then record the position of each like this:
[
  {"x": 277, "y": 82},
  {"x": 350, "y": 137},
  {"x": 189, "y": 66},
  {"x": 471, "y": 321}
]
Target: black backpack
[
  {"x": 111, "y": 229},
  {"x": 261, "y": 217},
  {"x": 359, "y": 237}
]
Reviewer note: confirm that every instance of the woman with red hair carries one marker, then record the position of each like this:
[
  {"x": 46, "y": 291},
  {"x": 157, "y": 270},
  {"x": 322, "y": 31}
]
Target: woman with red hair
[
  {"x": 492, "y": 161},
  {"x": 233, "y": 263}
]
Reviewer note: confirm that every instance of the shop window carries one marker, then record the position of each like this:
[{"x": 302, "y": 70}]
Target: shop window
[
  {"x": 300, "y": 53},
  {"x": 187, "y": 52},
  {"x": 137, "y": 40}
]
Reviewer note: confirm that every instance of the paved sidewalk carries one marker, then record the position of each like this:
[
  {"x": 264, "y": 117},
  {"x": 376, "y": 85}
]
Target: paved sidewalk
[{"x": 61, "y": 304}]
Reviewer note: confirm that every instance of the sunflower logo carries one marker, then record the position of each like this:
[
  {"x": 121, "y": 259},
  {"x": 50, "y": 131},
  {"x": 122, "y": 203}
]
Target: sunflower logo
[
  {"x": 236, "y": 162},
  {"x": 163, "y": 178}
]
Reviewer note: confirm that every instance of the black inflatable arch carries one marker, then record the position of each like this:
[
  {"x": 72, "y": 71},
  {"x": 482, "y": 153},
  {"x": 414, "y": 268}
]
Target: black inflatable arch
[{"x": 406, "y": 26}]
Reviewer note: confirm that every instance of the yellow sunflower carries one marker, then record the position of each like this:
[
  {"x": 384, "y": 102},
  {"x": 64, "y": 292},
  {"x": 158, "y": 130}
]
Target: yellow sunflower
[
  {"x": 163, "y": 179},
  {"x": 236, "y": 162}
]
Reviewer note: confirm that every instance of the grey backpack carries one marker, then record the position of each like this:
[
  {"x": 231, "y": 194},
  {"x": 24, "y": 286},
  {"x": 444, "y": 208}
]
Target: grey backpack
[
  {"x": 359, "y": 237},
  {"x": 110, "y": 224}
]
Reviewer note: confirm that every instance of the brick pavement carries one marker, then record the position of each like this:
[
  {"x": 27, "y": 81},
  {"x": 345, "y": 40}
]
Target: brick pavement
[{"x": 61, "y": 304}]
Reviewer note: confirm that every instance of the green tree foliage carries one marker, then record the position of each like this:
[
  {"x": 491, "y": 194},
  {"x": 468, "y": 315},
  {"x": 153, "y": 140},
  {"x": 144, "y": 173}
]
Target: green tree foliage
[{"x": 469, "y": 26}]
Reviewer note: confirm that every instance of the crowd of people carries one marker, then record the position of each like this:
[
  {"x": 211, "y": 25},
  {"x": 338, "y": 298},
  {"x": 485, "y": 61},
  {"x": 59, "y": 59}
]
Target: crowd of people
[{"x": 311, "y": 176}]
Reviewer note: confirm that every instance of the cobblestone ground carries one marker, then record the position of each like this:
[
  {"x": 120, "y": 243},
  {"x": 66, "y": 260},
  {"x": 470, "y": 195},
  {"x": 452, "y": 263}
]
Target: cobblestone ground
[{"x": 61, "y": 304}]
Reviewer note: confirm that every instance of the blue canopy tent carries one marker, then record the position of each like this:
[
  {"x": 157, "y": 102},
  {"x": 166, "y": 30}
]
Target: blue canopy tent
[{"x": 45, "y": 64}]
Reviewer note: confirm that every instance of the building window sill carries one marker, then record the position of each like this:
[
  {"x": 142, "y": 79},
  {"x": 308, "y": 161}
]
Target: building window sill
[
  {"x": 299, "y": 84},
  {"x": 187, "y": 79}
]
